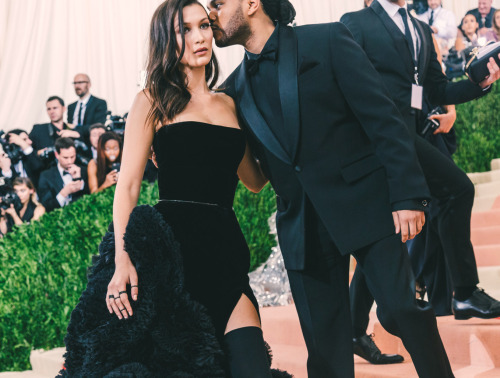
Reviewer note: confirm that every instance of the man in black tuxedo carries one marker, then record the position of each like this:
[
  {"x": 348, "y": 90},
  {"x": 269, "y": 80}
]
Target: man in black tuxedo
[
  {"x": 29, "y": 164},
  {"x": 88, "y": 109},
  {"x": 64, "y": 183},
  {"x": 402, "y": 51},
  {"x": 330, "y": 140},
  {"x": 44, "y": 135}
]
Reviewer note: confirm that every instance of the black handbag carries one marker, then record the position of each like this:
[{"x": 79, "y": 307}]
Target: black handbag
[{"x": 476, "y": 68}]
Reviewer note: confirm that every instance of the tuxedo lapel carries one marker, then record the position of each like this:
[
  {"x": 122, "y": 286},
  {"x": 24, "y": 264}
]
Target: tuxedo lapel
[
  {"x": 253, "y": 117},
  {"x": 396, "y": 35},
  {"x": 288, "y": 85},
  {"x": 423, "y": 57},
  {"x": 57, "y": 180},
  {"x": 88, "y": 109}
]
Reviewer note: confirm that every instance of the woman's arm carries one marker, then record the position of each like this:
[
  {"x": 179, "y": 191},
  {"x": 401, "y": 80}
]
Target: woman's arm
[
  {"x": 92, "y": 174},
  {"x": 39, "y": 211},
  {"x": 138, "y": 139},
  {"x": 250, "y": 172}
]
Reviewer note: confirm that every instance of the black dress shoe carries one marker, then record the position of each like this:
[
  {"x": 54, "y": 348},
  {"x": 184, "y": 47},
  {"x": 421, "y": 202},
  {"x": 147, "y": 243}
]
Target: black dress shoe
[
  {"x": 365, "y": 347},
  {"x": 478, "y": 305}
]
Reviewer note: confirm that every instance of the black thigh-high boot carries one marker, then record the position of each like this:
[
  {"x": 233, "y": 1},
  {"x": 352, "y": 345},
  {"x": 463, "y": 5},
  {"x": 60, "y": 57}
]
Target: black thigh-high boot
[{"x": 247, "y": 353}]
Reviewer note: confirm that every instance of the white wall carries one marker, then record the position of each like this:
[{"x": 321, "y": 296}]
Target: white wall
[{"x": 44, "y": 43}]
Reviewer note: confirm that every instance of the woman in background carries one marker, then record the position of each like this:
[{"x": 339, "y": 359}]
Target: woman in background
[
  {"x": 31, "y": 209},
  {"x": 496, "y": 24},
  {"x": 103, "y": 172}
]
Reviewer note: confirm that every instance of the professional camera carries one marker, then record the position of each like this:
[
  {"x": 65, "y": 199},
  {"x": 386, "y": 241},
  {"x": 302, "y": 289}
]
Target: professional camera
[
  {"x": 13, "y": 151},
  {"x": 419, "y": 6},
  {"x": 431, "y": 125},
  {"x": 115, "y": 123},
  {"x": 9, "y": 197},
  {"x": 81, "y": 150}
]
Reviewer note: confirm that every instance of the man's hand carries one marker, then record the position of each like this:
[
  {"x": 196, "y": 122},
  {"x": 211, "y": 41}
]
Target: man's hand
[
  {"x": 446, "y": 121},
  {"x": 72, "y": 187},
  {"x": 40, "y": 152},
  {"x": 5, "y": 162},
  {"x": 16, "y": 139},
  {"x": 68, "y": 134},
  {"x": 409, "y": 223},
  {"x": 75, "y": 171},
  {"x": 494, "y": 73}
]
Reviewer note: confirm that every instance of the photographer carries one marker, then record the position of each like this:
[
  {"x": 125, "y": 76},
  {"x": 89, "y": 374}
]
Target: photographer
[
  {"x": 95, "y": 131},
  {"x": 28, "y": 210},
  {"x": 104, "y": 171},
  {"x": 66, "y": 182},
  {"x": 25, "y": 161}
]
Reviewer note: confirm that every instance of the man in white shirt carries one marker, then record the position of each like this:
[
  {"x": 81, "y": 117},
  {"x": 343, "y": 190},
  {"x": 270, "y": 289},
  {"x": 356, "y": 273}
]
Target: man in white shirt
[
  {"x": 64, "y": 183},
  {"x": 442, "y": 22}
]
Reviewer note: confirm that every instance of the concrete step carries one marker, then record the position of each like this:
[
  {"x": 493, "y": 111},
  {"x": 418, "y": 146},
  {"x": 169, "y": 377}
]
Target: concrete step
[
  {"x": 487, "y": 255},
  {"x": 23, "y": 374},
  {"x": 484, "y": 203},
  {"x": 483, "y": 177},
  {"x": 489, "y": 280},
  {"x": 47, "y": 363},
  {"x": 485, "y": 218},
  {"x": 488, "y": 189},
  {"x": 495, "y": 164},
  {"x": 485, "y": 235}
]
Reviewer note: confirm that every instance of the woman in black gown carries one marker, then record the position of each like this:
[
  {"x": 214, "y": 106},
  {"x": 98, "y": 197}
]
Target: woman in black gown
[{"x": 201, "y": 153}]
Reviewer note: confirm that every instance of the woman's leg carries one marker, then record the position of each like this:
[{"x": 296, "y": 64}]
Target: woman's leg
[{"x": 247, "y": 353}]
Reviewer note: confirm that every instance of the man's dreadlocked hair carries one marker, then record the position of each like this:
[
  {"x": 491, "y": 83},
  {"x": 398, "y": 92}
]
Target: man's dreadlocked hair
[{"x": 281, "y": 11}]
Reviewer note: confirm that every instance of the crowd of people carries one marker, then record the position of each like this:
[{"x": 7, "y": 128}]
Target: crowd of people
[
  {"x": 454, "y": 38},
  {"x": 58, "y": 162}
]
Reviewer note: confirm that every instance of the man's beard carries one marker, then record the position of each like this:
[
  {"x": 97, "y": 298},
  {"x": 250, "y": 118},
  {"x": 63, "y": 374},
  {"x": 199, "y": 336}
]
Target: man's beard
[{"x": 237, "y": 31}]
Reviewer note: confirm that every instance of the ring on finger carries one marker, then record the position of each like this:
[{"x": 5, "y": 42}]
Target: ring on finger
[{"x": 123, "y": 292}]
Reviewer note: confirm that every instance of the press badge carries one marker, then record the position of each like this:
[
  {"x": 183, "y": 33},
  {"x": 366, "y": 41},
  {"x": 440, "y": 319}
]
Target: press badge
[{"x": 417, "y": 95}]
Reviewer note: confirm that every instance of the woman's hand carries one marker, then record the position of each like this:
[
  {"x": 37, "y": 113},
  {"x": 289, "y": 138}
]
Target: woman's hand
[
  {"x": 116, "y": 297},
  {"x": 111, "y": 178}
]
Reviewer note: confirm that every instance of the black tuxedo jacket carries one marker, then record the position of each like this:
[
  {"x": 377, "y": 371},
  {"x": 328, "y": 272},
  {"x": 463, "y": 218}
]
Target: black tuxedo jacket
[
  {"x": 387, "y": 49},
  {"x": 43, "y": 135},
  {"x": 351, "y": 154},
  {"x": 50, "y": 185},
  {"x": 95, "y": 113}
]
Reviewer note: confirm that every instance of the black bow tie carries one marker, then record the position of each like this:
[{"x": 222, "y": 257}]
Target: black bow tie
[
  {"x": 253, "y": 64},
  {"x": 66, "y": 173}
]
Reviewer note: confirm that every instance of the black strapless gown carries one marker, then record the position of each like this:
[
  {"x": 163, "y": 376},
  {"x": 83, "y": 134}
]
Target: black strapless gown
[
  {"x": 197, "y": 179},
  {"x": 192, "y": 262}
]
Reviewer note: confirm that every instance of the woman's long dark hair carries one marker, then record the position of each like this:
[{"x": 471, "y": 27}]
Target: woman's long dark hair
[
  {"x": 102, "y": 161},
  {"x": 166, "y": 80}
]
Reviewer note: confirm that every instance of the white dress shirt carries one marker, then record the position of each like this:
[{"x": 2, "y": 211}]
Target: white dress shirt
[
  {"x": 392, "y": 10},
  {"x": 81, "y": 102},
  {"x": 63, "y": 201},
  {"x": 444, "y": 21}
]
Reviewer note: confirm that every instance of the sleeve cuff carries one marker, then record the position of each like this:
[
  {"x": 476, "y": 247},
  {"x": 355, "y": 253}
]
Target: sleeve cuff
[
  {"x": 7, "y": 174},
  {"x": 414, "y": 204},
  {"x": 28, "y": 151},
  {"x": 61, "y": 199}
]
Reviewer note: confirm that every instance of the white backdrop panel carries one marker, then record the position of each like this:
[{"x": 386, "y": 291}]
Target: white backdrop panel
[{"x": 44, "y": 43}]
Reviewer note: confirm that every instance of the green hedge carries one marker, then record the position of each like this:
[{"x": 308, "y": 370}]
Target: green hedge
[
  {"x": 44, "y": 265},
  {"x": 478, "y": 132}
]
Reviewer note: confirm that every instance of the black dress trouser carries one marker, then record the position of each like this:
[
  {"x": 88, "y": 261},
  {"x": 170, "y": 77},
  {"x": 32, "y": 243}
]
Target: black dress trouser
[
  {"x": 455, "y": 192},
  {"x": 321, "y": 296}
]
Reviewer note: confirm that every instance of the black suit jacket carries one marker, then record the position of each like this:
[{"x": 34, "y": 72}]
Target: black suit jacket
[
  {"x": 43, "y": 135},
  {"x": 387, "y": 49},
  {"x": 95, "y": 113},
  {"x": 50, "y": 185},
  {"x": 351, "y": 154}
]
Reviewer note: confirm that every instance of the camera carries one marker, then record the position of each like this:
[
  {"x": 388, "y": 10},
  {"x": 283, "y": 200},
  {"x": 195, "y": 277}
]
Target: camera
[
  {"x": 431, "y": 125},
  {"x": 115, "y": 123},
  {"x": 13, "y": 151},
  {"x": 419, "y": 6},
  {"x": 9, "y": 197},
  {"x": 81, "y": 148}
]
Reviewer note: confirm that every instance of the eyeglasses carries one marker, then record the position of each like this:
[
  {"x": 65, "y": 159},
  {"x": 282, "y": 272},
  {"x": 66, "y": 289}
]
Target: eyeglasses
[{"x": 79, "y": 82}]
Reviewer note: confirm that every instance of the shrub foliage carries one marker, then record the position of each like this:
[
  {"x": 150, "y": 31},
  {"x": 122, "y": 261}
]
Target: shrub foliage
[
  {"x": 478, "y": 132},
  {"x": 44, "y": 266}
]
